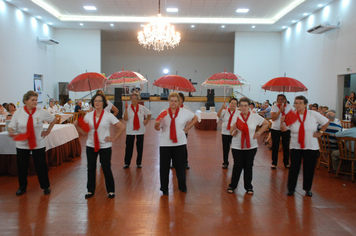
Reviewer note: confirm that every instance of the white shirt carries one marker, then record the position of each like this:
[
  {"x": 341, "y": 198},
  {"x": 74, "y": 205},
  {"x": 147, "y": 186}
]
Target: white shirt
[
  {"x": 252, "y": 122},
  {"x": 108, "y": 107},
  {"x": 312, "y": 120},
  {"x": 107, "y": 120},
  {"x": 186, "y": 107},
  {"x": 225, "y": 116},
  {"x": 276, "y": 124},
  {"x": 52, "y": 110},
  {"x": 68, "y": 107},
  {"x": 19, "y": 124},
  {"x": 142, "y": 112},
  {"x": 184, "y": 116}
]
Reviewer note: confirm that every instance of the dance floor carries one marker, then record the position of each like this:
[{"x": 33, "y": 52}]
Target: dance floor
[{"x": 206, "y": 209}]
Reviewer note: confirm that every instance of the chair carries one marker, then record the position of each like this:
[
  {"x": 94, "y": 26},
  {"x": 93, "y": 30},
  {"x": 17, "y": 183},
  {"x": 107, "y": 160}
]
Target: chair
[
  {"x": 347, "y": 154},
  {"x": 58, "y": 117},
  {"x": 325, "y": 151},
  {"x": 346, "y": 124},
  {"x": 74, "y": 117}
]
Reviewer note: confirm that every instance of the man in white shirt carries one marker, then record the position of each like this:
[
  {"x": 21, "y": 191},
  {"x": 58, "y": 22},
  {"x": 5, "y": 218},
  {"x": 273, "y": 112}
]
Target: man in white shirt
[{"x": 135, "y": 116}]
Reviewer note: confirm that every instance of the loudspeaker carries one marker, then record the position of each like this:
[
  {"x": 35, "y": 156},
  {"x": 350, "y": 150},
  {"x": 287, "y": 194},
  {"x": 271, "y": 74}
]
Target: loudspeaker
[
  {"x": 119, "y": 106},
  {"x": 118, "y": 94},
  {"x": 208, "y": 105},
  {"x": 210, "y": 95},
  {"x": 145, "y": 96},
  {"x": 164, "y": 96}
]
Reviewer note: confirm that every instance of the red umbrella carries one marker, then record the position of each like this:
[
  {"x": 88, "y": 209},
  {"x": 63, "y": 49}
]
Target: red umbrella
[
  {"x": 284, "y": 84},
  {"x": 175, "y": 82},
  {"x": 87, "y": 82}
]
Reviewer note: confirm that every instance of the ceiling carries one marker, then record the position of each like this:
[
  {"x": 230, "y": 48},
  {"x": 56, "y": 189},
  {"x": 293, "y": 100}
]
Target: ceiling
[{"x": 207, "y": 16}]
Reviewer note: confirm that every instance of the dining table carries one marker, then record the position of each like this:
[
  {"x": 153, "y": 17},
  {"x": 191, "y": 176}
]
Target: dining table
[
  {"x": 206, "y": 120},
  {"x": 62, "y": 145}
]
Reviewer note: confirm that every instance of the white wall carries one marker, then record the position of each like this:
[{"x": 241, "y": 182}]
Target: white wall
[
  {"x": 21, "y": 56},
  {"x": 257, "y": 60},
  {"x": 318, "y": 60},
  {"x": 196, "y": 61},
  {"x": 78, "y": 51}
]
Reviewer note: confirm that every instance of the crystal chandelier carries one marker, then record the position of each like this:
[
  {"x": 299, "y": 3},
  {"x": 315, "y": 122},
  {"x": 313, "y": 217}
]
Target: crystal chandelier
[{"x": 158, "y": 34}]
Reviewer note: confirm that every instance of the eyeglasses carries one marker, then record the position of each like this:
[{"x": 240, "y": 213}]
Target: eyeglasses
[{"x": 98, "y": 101}]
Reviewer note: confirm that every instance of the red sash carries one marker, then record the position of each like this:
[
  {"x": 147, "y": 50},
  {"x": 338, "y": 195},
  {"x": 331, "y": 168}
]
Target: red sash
[
  {"x": 173, "y": 132},
  {"x": 245, "y": 135},
  {"x": 229, "y": 123},
  {"x": 301, "y": 134},
  {"x": 96, "y": 126},
  {"x": 30, "y": 132},
  {"x": 283, "y": 112},
  {"x": 136, "y": 121}
]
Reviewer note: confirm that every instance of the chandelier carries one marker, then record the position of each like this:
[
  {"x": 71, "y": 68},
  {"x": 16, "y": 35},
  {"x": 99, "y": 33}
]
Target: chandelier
[{"x": 158, "y": 34}]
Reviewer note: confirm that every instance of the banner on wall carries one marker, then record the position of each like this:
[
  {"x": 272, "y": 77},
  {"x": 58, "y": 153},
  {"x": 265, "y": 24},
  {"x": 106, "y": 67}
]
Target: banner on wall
[{"x": 37, "y": 82}]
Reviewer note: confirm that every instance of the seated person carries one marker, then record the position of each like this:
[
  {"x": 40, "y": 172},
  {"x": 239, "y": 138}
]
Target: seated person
[
  {"x": 52, "y": 109},
  {"x": 78, "y": 107},
  {"x": 252, "y": 108},
  {"x": 315, "y": 107},
  {"x": 346, "y": 133},
  {"x": 2, "y": 110},
  {"x": 332, "y": 129},
  {"x": 267, "y": 111},
  {"x": 68, "y": 106},
  {"x": 336, "y": 120},
  {"x": 11, "y": 108}
]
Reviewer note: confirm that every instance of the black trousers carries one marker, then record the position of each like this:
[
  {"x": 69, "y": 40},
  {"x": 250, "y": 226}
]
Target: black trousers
[
  {"x": 276, "y": 138},
  {"x": 186, "y": 151},
  {"x": 130, "y": 139},
  {"x": 177, "y": 154},
  {"x": 243, "y": 159},
  {"x": 226, "y": 141},
  {"x": 39, "y": 159},
  {"x": 309, "y": 161},
  {"x": 105, "y": 160}
]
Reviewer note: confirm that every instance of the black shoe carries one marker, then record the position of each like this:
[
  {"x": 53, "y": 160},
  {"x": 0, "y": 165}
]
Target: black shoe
[
  {"x": 230, "y": 190},
  {"x": 187, "y": 167},
  {"x": 126, "y": 166},
  {"x": 273, "y": 167},
  {"x": 224, "y": 166},
  {"x": 20, "y": 192},
  {"x": 111, "y": 195},
  {"x": 308, "y": 193},
  {"x": 47, "y": 191},
  {"x": 89, "y": 195},
  {"x": 139, "y": 166},
  {"x": 165, "y": 193},
  {"x": 184, "y": 190},
  {"x": 290, "y": 193}
]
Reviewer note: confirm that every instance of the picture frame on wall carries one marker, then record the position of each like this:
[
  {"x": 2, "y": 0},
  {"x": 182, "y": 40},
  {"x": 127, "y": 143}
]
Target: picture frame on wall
[{"x": 38, "y": 86}]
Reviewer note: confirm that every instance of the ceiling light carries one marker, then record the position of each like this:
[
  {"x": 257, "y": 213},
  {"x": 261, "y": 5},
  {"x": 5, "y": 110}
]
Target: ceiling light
[
  {"x": 25, "y": 9},
  {"x": 320, "y": 5},
  {"x": 305, "y": 14},
  {"x": 81, "y": 24},
  {"x": 47, "y": 7},
  {"x": 165, "y": 71},
  {"x": 253, "y": 26},
  {"x": 242, "y": 10},
  {"x": 223, "y": 26},
  {"x": 111, "y": 24},
  {"x": 158, "y": 34},
  {"x": 293, "y": 21},
  {"x": 142, "y": 25},
  {"x": 193, "y": 26},
  {"x": 90, "y": 8},
  {"x": 284, "y": 27},
  {"x": 172, "y": 9},
  {"x": 39, "y": 17},
  {"x": 50, "y": 23}
]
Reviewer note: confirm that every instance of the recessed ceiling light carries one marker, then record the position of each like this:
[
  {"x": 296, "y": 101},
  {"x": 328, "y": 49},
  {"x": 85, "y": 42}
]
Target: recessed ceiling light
[
  {"x": 39, "y": 17},
  {"x": 193, "y": 26},
  {"x": 81, "y": 24},
  {"x": 25, "y": 9},
  {"x": 320, "y": 5},
  {"x": 142, "y": 25},
  {"x": 242, "y": 10},
  {"x": 284, "y": 27},
  {"x": 111, "y": 24},
  {"x": 90, "y": 8},
  {"x": 223, "y": 26},
  {"x": 171, "y": 9},
  {"x": 305, "y": 14},
  {"x": 293, "y": 21},
  {"x": 50, "y": 23},
  {"x": 253, "y": 26}
]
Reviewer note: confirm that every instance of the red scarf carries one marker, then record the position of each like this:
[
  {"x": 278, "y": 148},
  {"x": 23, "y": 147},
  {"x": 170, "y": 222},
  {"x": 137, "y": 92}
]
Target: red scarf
[
  {"x": 82, "y": 124},
  {"x": 136, "y": 121},
  {"x": 283, "y": 112},
  {"x": 182, "y": 105},
  {"x": 30, "y": 132},
  {"x": 173, "y": 132},
  {"x": 231, "y": 115},
  {"x": 96, "y": 126},
  {"x": 245, "y": 135},
  {"x": 301, "y": 135},
  {"x": 291, "y": 117}
]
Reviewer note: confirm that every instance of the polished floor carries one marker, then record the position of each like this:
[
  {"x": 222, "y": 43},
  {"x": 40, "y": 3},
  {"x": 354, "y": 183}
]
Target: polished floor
[{"x": 139, "y": 208}]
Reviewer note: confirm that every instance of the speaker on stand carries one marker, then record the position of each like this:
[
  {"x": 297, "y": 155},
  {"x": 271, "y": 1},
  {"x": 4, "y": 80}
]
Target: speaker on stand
[
  {"x": 210, "y": 99},
  {"x": 118, "y": 101}
]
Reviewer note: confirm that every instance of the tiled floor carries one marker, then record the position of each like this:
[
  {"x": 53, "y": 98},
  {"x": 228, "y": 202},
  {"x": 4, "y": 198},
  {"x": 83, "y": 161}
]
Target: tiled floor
[{"x": 206, "y": 209}]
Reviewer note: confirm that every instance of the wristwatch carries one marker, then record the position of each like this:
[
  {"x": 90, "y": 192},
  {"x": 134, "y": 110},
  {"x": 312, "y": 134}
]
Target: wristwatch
[{"x": 321, "y": 132}]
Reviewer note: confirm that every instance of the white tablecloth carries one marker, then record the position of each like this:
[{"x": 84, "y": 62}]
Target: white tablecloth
[
  {"x": 65, "y": 117},
  {"x": 206, "y": 115},
  {"x": 59, "y": 135}
]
